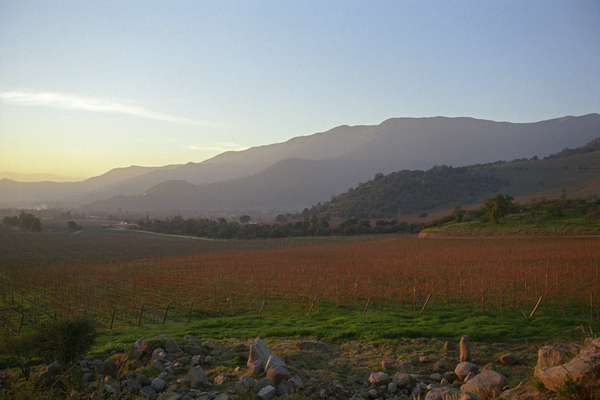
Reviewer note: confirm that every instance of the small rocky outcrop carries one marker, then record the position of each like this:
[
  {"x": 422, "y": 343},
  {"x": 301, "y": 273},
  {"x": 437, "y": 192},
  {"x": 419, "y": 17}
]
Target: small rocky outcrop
[{"x": 553, "y": 371}]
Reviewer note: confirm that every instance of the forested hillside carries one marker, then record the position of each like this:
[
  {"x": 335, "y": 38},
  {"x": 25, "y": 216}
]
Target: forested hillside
[{"x": 412, "y": 192}]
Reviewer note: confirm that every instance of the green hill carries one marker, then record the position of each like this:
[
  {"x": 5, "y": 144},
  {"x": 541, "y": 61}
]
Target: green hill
[{"x": 408, "y": 193}]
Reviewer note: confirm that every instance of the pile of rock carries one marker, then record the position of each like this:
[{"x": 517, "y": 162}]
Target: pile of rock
[{"x": 177, "y": 372}]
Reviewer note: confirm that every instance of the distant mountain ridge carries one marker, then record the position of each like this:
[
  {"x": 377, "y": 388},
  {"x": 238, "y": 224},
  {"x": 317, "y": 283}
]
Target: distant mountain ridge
[{"x": 305, "y": 170}]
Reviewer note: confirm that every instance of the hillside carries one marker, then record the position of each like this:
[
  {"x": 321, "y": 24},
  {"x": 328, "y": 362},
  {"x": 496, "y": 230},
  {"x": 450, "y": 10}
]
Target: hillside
[{"x": 572, "y": 172}]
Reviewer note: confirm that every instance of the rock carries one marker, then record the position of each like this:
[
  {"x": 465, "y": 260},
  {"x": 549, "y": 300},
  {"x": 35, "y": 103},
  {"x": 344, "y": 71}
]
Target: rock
[
  {"x": 222, "y": 378},
  {"x": 490, "y": 367},
  {"x": 509, "y": 359},
  {"x": 378, "y": 378},
  {"x": 172, "y": 346},
  {"x": 192, "y": 349},
  {"x": 486, "y": 381},
  {"x": 469, "y": 396},
  {"x": 373, "y": 394},
  {"x": 260, "y": 351},
  {"x": 423, "y": 359},
  {"x": 158, "y": 384},
  {"x": 209, "y": 360},
  {"x": 583, "y": 367},
  {"x": 277, "y": 374},
  {"x": 551, "y": 356},
  {"x": 159, "y": 355},
  {"x": 263, "y": 383},
  {"x": 402, "y": 380},
  {"x": 147, "y": 391},
  {"x": 386, "y": 365},
  {"x": 444, "y": 393},
  {"x": 163, "y": 336},
  {"x": 144, "y": 380},
  {"x": 392, "y": 387},
  {"x": 522, "y": 392},
  {"x": 463, "y": 369},
  {"x": 465, "y": 349},
  {"x": 284, "y": 389},
  {"x": 267, "y": 393},
  {"x": 222, "y": 396},
  {"x": 138, "y": 343},
  {"x": 256, "y": 368},
  {"x": 295, "y": 382},
  {"x": 440, "y": 364},
  {"x": 198, "y": 378},
  {"x": 245, "y": 384},
  {"x": 471, "y": 375},
  {"x": 449, "y": 346},
  {"x": 192, "y": 338},
  {"x": 133, "y": 385},
  {"x": 450, "y": 376}
]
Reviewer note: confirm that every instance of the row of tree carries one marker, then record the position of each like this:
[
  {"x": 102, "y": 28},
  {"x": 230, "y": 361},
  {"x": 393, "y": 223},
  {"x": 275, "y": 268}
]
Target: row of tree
[
  {"x": 24, "y": 222},
  {"x": 221, "y": 229}
]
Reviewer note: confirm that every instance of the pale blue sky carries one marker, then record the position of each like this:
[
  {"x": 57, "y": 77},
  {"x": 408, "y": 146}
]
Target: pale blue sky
[{"x": 87, "y": 86}]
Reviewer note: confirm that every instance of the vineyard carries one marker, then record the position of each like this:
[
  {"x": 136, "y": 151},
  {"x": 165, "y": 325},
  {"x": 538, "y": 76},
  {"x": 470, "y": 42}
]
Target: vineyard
[{"x": 131, "y": 280}]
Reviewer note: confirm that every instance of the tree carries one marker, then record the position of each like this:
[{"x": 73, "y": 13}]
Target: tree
[
  {"x": 458, "y": 213},
  {"x": 72, "y": 226},
  {"x": 244, "y": 219},
  {"x": 497, "y": 207}
]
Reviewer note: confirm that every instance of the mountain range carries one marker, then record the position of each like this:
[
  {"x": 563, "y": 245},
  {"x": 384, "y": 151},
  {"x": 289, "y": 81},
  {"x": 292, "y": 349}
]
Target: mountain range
[{"x": 305, "y": 170}]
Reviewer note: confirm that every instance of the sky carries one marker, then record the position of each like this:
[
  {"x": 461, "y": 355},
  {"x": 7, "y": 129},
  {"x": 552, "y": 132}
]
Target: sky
[{"x": 88, "y": 86}]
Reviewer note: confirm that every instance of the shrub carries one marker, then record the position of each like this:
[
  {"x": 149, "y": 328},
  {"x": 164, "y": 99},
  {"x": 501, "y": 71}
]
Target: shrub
[
  {"x": 65, "y": 340},
  {"x": 20, "y": 349}
]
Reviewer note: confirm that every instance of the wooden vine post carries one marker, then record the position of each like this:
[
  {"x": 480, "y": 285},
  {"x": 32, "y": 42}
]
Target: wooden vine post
[
  {"x": 165, "y": 316},
  {"x": 367, "y": 306},
  {"x": 140, "y": 318},
  {"x": 425, "y": 305},
  {"x": 536, "y": 306}
]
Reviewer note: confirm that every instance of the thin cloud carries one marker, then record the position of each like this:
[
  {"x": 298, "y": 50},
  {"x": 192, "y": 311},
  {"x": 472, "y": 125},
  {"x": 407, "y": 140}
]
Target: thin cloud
[
  {"x": 220, "y": 146},
  {"x": 74, "y": 102}
]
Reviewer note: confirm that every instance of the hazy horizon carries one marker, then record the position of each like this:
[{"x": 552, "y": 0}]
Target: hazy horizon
[{"x": 88, "y": 87}]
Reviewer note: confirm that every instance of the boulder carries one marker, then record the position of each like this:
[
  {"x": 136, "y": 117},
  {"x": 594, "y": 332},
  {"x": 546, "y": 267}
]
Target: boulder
[
  {"x": 158, "y": 384},
  {"x": 256, "y": 368},
  {"x": 445, "y": 393},
  {"x": 172, "y": 346},
  {"x": 379, "y": 378},
  {"x": 147, "y": 391},
  {"x": 267, "y": 393},
  {"x": 278, "y": 374},
  {"x": 192, "y": 338},
  {"x": 509, "y": 359},
  {"x": 583, "y": 368},
  {"x": 487, "y": 380},
  {"x": 260, "y": 351},
  {"x": 245, "y": 384},
  {"x": 198, "y": 378},
  {"x": 524, "y": 391},
  {"x": 159, "y": 355},
  {"x": 192, "y": 349},
  {"x": 463, "y": 370},
  {"x": 551, "y": 356},
  {"x": 402, "y": 380}
]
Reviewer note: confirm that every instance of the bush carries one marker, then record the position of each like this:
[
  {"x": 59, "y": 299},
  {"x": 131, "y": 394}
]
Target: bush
[
  {"x": 21, "y": 350},
  {"x": 65, "y": 340}
]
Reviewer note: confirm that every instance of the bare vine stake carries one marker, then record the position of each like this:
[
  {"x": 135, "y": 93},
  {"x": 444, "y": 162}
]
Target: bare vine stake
[
  {"x": 112, "y": 319},
  {"x": 367, "y": 306},
  {"x": 218, "y": 311},
  {"x": 261, "y": 308},
  {"x": 311, "y": 307},
  {"x": 140, "y": 319},
  {"x": 536, "y": 306},
  {"x": 165, "y": 316},
  {"x": 425, "y": 305},
  {"x": 190, "y": 312}
]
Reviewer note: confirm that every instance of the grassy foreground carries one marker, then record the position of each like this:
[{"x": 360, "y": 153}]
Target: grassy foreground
[{"x": 375, "y": 327}]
